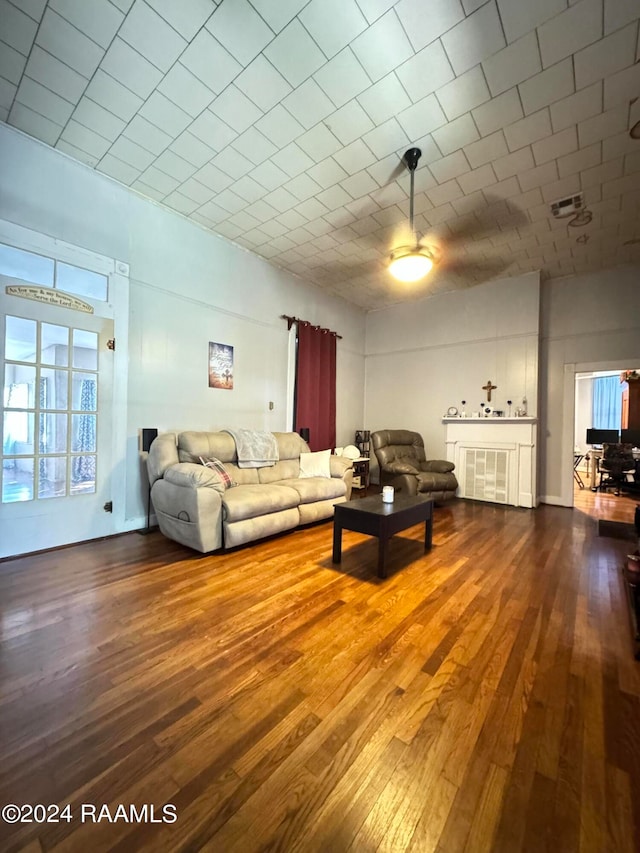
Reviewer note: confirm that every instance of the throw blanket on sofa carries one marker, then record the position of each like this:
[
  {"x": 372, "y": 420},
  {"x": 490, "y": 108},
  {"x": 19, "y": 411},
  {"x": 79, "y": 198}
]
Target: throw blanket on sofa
[{"x": 255, "y": 449}]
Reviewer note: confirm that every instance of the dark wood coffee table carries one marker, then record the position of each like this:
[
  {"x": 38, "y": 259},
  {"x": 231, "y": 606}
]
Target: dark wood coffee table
[{"x": 370, "y": 515}]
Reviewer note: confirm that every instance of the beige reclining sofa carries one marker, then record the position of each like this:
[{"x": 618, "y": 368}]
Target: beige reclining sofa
[{"x": 193, "y": 508}]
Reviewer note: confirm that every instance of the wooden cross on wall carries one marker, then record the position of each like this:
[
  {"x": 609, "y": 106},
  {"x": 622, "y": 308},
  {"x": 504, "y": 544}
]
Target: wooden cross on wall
[{"x": 489, "y": 388}]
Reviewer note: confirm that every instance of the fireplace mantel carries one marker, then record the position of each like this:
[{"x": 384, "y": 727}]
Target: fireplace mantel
[
  {"x": 526, "y": 420},
  {"x": 495, "y": 458}
]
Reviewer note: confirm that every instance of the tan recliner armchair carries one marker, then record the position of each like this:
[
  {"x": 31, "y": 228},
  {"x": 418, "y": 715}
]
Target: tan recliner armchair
[{"x": 404, "y": 465}]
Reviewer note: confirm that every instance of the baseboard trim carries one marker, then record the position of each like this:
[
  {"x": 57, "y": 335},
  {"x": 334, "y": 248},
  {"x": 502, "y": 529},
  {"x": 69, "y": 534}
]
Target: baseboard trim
[
  {"x": 62, "y": 547},
  {"x": 554, "y": 500}
]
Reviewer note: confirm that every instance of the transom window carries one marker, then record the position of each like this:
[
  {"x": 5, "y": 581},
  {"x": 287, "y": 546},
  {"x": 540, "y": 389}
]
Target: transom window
[{"x": 38, "y": 269}]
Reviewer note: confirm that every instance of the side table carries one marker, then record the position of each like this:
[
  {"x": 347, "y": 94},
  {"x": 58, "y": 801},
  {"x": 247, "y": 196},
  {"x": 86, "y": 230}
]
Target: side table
[{"x": 361, "y": 473}]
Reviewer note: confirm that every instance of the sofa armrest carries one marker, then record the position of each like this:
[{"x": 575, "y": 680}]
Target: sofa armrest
[
  {"x": 398, "y": 467},
  {"x": 188, "y": 506},
  {"x": 339, "y": 465},
  {"x": 438, "y": 466},
  {"x": 162, "y": 454},
  {"x": 193, "y": 476}
]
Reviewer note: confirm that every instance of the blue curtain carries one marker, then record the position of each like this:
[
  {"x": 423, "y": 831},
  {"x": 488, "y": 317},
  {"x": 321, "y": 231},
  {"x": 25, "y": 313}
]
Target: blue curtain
[
  {"x": 607, "y": 402},
  {"x": 84, "y": 467},
  {"x": 42, "y": 466}
]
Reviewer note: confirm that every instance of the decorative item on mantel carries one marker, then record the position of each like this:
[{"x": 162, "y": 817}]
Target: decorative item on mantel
[{"x": 489, "y": 388}]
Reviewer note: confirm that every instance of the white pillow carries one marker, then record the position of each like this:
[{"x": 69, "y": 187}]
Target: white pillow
[{"x": 315, "y": 464}]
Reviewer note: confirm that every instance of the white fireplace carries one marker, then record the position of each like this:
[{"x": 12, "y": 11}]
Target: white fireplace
[{"x": 495, "y": 458}]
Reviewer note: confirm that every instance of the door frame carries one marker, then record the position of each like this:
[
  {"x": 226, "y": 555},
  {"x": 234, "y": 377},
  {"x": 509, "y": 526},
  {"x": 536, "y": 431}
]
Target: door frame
[
  {"x": 569, "y": 416},
  {"x": 117, "y": 309}
]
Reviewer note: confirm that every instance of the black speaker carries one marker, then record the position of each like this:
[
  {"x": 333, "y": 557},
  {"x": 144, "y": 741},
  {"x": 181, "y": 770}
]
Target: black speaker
[
  {"x": 304, "y": 434},
  {"x": 148, "y": 436}
]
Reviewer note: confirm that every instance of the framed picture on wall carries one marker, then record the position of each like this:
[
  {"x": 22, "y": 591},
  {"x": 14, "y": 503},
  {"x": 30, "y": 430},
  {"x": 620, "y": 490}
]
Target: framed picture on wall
[{"x": 220, "y": 366}]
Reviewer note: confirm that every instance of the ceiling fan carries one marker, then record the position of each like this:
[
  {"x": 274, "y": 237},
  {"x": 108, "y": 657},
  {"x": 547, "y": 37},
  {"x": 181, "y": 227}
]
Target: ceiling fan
[{"x": 412, "y": 262}]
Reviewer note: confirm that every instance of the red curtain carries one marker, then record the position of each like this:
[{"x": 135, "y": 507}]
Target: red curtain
[{"x": 316, "y": 385}]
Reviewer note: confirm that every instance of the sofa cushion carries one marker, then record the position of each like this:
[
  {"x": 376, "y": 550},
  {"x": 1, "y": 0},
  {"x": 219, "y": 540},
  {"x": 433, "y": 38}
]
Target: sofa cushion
[
  {"x": 312, "y": 489},
  {"x": 290, "y": 445},
  {"x": 252, "y": 500},
  {"x": 192, "y": 445},
  {"x": 243, "y": 476},
  {"x": 318, "y": 510},
  {"x": 249, "y": 529},
  {"x": 285, "y": 469}
]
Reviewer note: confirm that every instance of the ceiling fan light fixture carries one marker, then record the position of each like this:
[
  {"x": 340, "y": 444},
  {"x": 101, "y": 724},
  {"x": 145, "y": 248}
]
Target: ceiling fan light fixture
[{"x": 410, "y": 264}]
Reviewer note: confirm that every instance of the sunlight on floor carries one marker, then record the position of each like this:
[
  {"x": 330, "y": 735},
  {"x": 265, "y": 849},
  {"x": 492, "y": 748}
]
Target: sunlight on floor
[{"x": 605, "y": 505}]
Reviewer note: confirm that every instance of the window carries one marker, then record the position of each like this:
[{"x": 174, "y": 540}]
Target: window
[
  {"x": 50, "y": 411},
  {"x": 37, "y": 269},
  {"x": 16, "y": 426}
]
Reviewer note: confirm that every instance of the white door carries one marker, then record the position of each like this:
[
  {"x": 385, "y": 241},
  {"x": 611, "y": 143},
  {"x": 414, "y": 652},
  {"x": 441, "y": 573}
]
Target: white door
[{"x": 57, "y": 372}]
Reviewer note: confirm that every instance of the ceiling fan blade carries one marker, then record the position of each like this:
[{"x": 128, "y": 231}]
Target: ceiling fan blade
[
  {"x": 468, "y": 267},
  {"x": 496, "y": 217},
  {"x": 397, "y": 172}
]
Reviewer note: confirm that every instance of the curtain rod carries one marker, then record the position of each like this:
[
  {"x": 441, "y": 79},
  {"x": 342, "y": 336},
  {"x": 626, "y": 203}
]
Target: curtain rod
[{"x": 292, "y": 320}]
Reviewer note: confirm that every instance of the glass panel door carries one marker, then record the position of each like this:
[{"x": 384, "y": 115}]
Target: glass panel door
[
  {"x": 56, "y": 417},
  {"x": 50, "y": 411}
]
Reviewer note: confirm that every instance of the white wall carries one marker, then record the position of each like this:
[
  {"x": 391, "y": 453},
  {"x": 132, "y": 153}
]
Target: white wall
[
  {"x": 425, "y": 356},
  {"x": 588, "y": 322},
  {"x": 188, "y": 287}
]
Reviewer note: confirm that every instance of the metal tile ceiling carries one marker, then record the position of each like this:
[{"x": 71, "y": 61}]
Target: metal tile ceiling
[{"x": 280, "y": 125}]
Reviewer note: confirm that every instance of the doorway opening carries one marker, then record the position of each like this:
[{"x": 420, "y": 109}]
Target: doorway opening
[{"x": 601, "y": 403}]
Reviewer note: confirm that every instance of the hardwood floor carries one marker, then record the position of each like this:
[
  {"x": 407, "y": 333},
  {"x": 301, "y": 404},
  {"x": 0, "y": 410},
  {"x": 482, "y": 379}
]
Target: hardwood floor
[
  {"x": 605, "y": 505},
  {"x": 482, "y": 698}
]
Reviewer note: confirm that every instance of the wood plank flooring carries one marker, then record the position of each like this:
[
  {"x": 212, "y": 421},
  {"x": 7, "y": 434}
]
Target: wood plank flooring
[
  {"x": 484, "y": 697},
  {"x": 606, "y": 505}
]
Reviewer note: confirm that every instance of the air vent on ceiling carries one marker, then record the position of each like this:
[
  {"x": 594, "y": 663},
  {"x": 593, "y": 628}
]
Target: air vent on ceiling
[{"x": 567, "y": 206}]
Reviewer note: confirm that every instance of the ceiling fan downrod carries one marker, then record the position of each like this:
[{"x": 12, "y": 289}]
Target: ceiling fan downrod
[{"x": 411, "y": 157}]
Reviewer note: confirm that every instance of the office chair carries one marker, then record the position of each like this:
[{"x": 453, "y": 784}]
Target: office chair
[{"x": 617, "y": 461}]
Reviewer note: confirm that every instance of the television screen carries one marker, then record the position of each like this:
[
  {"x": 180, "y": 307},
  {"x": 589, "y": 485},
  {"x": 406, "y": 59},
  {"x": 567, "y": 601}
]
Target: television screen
[
  {"x": 600, "y": 436},
  {"x": 630, "y": 436}
]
